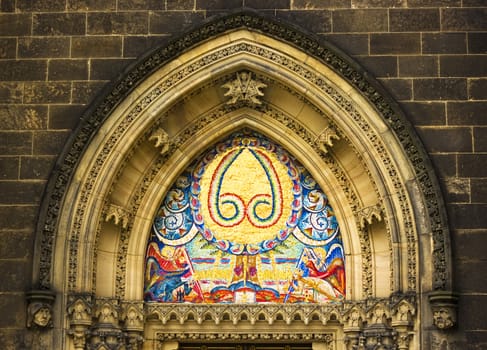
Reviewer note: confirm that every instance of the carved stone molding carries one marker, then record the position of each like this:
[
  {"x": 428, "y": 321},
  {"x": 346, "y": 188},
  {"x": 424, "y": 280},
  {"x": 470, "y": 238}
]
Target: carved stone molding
[
  {"x": 80, "y": 309},
  {"x": 39, "y": 309},
  {"x": 444, "y": 308},
  {"x": 325, "y": 139},
  {"x": 244, "y": 88},
  {"x": 118, "y": 214},
  {"x": 368, "y": 214},
  {"x": 161, "y": 140}
]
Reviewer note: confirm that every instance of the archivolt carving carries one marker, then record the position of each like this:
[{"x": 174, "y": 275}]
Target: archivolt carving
[
  {"x": 118, "y": 214},
  {"x": 161, "y": 139},
  {"x": 57, "y": 188},
  {"x": 325, "y": 139},
  {"x": 367, "y": 215}
]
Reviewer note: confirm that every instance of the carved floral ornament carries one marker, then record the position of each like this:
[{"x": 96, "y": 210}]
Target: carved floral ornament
[{"x": 88, "y": 315}]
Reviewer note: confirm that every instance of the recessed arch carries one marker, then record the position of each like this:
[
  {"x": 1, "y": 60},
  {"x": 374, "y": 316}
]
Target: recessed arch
[{"x": 170, "y": 107}]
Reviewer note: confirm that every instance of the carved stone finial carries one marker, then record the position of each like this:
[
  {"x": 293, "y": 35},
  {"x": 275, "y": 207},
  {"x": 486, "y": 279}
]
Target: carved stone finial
[
  {"x": 366, "y": 215},
  {"x": 444, "y": 307},
  {"x": 244, "y": 88},
  {"x": 161, "y": 139},
  {"x": 118, "y": 214},
  {"x": 39, "y": 309},
  {"x": 325, "y": 139}
]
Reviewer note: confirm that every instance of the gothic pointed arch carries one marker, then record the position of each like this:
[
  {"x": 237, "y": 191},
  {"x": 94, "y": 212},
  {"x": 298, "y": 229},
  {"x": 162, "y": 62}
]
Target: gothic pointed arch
[{"x": 243, "y": 72}]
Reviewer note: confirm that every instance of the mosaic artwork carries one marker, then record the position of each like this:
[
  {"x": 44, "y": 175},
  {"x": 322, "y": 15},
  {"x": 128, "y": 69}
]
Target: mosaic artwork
[{"x": 245, "y": 223}]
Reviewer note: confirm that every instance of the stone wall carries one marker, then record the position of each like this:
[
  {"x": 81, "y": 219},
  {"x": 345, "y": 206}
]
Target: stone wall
[{"x": 57, "y": 56}]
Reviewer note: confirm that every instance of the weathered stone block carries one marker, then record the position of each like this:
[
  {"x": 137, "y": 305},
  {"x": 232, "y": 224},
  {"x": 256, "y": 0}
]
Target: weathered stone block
[
  {"x": 463, "y": 19},
  {"x": 456, "y": 190},
  {"x": 47, "y": 92},
  {"x": 463, "y": 66},
  {"x": 319, "y": 4},
  {"x": 134, "y": 46},
  {"x": 15, "y": 142},
  {"x": 40, "y": 5},
  {"x": 440, "y": 89},
  {"x": 96, "y": 46},
  {"x": 353, "y": 44},
  {"x": 479, "y": 190},
  {"x": 374, "y": 20},
  {"x": 11, "y": 92},
  {"x": 15, "y": 275},
  {"x": 477, "y": 43},
  {"x": 480, "y": 139},
  {"x": 180, "y": 5},
  {"x": 434, "y": 3},
  {"x": 467, "y": 113},
  {"x": 107, "y": 69},
  {"x": 49, "y": 142},
  {"x": 65, "y": 116},
  {"x": 445, "y": 164},
  {"x": 472, "y": 165},
  {"x": 15, "y": 24},
  {"x": 23, "y": 70},
  {"x": 12, "y": 309},
  {"x": 268, "y": 4},
  {"x": 418, "y": 66},
  {"x": 173, "y": 22},
  {"x": 36, "y": 167},
  {"x": 477, "y": 89},
  {"x": 414, "y": 20},
  {"x": 395, "y": 43},
  {"x": 21, "y": 217},
  {"x": 23, "y": 117},
  {"x": 9, "y": 170},
  {"x": 7, "y": 6},
  {"x": 71, "y": 69},
  {"x": 379, "y": 66},
  {"x": 444, "y": 43},
  {"x": 426, "y": 113},
  {"x": 85, "y": 92},
  {"x": 8, "y": 48},
  {"x": 20, "y": 192},
  {"x": 59, "y": 24},
  {"x": 218, "y": 4},
  {"x": 312, "y": 20},
  {"x": 47, "y": 47},
  {"x": 91, "y": 5},
  {"x": 13, "y": 339},
  {"x": 400, "y": 89},
  {"x": 118, "y": 23},
  {"x": 378, "y": 3},
  {"x": 446, "y": 139},
  {"x": 467, "y": 317}
]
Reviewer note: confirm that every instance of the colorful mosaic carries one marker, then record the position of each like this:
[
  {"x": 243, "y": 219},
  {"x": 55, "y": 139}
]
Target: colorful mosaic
[{"x": 245, "y": 223}]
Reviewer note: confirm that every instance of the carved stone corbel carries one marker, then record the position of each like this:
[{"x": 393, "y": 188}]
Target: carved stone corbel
[
  {"x": 377, "y": 334},
  {"x": 161, "y": 140},
  {"x": 444, "y": 308},
  {"x": 366, "y": 215},
  {"x": 325, "y": 139},
  {"x": 80, "y": 308},
  {"x": 39, "y": 309},
  {"x": 118, "y": 214},
  {"x": 353, "y": 328}
]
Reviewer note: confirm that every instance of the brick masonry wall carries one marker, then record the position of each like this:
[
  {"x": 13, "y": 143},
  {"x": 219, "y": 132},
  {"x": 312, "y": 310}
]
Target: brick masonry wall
[{"x": 56, "y": 56}]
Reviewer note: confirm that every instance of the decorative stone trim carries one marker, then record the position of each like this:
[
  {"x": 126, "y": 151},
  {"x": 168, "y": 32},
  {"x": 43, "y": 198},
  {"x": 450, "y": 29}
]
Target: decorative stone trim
[
  {"x": 368, "y": 214},
  {"x": 244, "y": 88},
  {"x": 161, "y": 139},
  {"x": 325, "y": 139},
  {"x": 119, "y": 215}
]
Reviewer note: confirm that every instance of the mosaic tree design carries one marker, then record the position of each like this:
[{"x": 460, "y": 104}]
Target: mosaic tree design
[{"x": 245, "y": 223}]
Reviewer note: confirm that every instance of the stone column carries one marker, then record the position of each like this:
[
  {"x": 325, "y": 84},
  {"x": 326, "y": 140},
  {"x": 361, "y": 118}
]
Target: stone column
[
  {"x": 133, "y": 323},
  {"x": 80, "y": 308}
]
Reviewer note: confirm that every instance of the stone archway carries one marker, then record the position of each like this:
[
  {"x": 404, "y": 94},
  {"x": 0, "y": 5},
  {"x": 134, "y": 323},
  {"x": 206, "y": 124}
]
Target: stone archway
[{"x": 171, "y": 106}]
